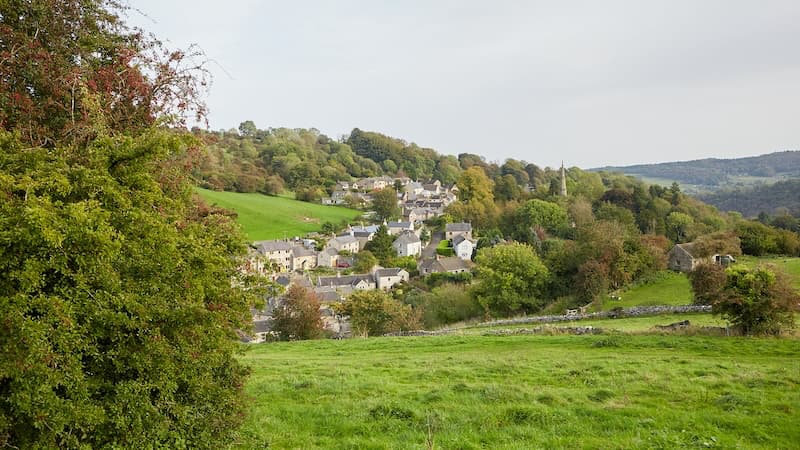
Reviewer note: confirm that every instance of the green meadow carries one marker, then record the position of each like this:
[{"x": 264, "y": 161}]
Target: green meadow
[
  {"x": 664, "y": 288},
  {"x": 519, "y": 392},
  {"x": 267, "y": 217}
]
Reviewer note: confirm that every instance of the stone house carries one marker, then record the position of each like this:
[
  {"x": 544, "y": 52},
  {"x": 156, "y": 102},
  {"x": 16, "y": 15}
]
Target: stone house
[
  {"x": 452, "y": 230},
  {"x": 682, "y": 259},
  {"x": 344, "y": 243},
  {"x": 395, "y": 228},
  {"x": 363, "y": 282},
  {"x": 407, "y": 244},
  {"x": 386, "y": 279},
  {"x": 277, "y": 252},
  {"x": 303, "y": 258},
  {"x": 452, "y": 264}
]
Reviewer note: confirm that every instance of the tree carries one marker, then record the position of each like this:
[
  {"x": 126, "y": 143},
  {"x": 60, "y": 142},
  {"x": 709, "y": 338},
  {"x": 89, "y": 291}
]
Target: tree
[
  {"x": 539, "y": 214},
  {"x": 298, "y": 316},
  {"x": 707, "y": 283},
  {"x": 375, "y": 313},
  {"x": 364, "y": 262},
  {"x": 119, "y": 291},
  {"x": 678, "y": 225},
  {"x": 381, "y": 245},
  {"x": 511, "y": 279},
  {"x": 758, "y": 301},
  {"x": 385, "y": 204},
  {"x": 248, "y": 128}
]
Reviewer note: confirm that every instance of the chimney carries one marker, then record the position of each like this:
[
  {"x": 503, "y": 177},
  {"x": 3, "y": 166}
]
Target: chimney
[{"x": 438, "y": 257}]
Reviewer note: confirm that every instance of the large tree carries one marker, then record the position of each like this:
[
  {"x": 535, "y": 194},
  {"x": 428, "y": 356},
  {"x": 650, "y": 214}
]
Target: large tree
[
  {"x": 119, "y": 292},
  {"x": 385, "y": 203},
  {"x": 298, "y": 316},
  {"x": 511, "y": 279}
]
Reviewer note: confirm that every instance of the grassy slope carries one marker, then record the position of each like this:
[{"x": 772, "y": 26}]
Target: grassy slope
[
  {"x": 525, "y": 392},
  {"x": 789, "y": 265},
  {"x": 266, "y": 217},
  {"x": 625, "y": 324},
  {"x": 667, "y": 288}
]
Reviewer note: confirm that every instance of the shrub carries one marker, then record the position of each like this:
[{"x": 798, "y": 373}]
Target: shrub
[
  {"x": 707, "y": 282},
  {"x": 375, "y": 313},
  {"x": 757, "y": 301}
]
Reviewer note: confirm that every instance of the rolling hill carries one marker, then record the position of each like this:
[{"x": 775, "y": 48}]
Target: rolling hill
[{"x": 267, "y": 217}]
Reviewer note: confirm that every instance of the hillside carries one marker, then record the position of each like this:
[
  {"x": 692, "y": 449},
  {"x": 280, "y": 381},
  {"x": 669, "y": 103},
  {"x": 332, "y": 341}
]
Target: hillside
[
  {"x": 268, "y": 217},
  {"x": 752, "y": 201},
  {"x": 712, "y": 174}
]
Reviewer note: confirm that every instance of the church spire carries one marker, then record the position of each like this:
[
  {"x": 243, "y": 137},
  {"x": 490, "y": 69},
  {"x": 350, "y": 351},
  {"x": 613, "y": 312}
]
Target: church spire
[{"x": 563, "y": 180}]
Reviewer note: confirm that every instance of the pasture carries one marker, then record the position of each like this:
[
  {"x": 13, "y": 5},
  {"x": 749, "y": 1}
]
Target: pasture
[
  {"x": 512, "y": 392},
  {"x": 267, "y": 217}
]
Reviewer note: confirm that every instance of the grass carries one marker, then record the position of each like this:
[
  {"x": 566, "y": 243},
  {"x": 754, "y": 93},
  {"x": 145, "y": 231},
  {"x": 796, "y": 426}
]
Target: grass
[
  {"x": 267, "y": 217},
  {"x": 623, "y": 324},
  {"x": 665, "y": 288},
  {"x": 789, "y": 265},
  {"x": 513, "y": 392}
]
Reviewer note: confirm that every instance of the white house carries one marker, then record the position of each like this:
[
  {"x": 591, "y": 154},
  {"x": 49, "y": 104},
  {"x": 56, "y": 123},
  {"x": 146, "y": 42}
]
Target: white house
[
  {"x": 463, "y": 247},
  {"x": 407, "y": 244},
  {"x": 387, "y": 278}
]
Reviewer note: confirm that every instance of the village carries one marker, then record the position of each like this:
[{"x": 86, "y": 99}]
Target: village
[{"x": 325, "y": 263}]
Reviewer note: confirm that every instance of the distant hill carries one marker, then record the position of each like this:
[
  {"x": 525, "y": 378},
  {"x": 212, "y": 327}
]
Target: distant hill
[
  {"x": 754, "y": 200},
  {"x": 711, "y": 174}
]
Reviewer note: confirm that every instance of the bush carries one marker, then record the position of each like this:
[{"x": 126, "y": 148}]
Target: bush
[
  {"x": 449, "y": 303},
  {"x": 375, "y": 313},
  {"x": 707, "y": 282},
  {"x": 757, "y": 301}
]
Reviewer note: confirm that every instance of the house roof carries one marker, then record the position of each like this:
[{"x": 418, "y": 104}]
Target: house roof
[
  {"x": 446, "y": 264},
  {"x": 299, "y": 251},
  {"x": 459, "y": 239},
  {"x": 406, "y": 239},
  {"x": 688, "y": 248},
  {"x": 390, "y": 272},
  {"x": 346, "y": 239},
  {"x": 272, "y": 246},
  {"x": 346, "y": 280},
  {"x": 461, "y": 226},
  {"x": 399, "y": 224}
]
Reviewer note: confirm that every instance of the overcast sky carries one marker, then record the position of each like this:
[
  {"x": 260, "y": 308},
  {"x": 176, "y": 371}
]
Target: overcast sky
[{"x": 590, "y": 82}]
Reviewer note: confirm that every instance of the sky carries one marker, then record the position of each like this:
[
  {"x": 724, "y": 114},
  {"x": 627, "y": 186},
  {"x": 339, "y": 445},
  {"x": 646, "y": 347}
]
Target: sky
[{"x": 587, "y": 82}]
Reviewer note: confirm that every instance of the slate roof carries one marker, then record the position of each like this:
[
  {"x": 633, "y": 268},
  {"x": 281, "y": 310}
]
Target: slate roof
[
  {"x": 390, "y": 272},
  {"x": 406, "y": 225},
  {"x": 406, "y": 239},
  {"x": 458, "y": 227},
  {"x": 346, "y": 280},
  {"x": 346, "y": 239},
  {"x": 298, "y": 251},
  {"x": 272, "y": 246},
  {"x": 459, "y": 239},
  {"x": 445, "y": 264}
]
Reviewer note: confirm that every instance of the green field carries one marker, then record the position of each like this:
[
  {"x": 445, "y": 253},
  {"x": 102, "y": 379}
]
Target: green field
[
  {"x": 639, "y": 324},
  {"x": 665, "y": 288},
  {"x": 267, "y": 217},
  {"x": 789, "y": 265},
  {"x": 515, "y": 392}
]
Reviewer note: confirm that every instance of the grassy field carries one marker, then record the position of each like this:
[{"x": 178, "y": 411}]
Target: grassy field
[
  {"x": 266, "y": 217},
  {"x": 788, "y": 264},
  {"x": 665, "y": 288},
  {"x": 624, "y": 324},
  {"x": 471, "y": 392}
]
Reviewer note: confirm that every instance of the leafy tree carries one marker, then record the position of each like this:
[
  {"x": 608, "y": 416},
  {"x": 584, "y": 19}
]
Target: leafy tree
[
  {"x": 678, "y": 224},
  {"x": 449, "y": 303},
  {"x": 248, "y": 128},
  {"x": 298, "y": 316},
  {"x": 375, "y": 313},
  {"x": 758, "y": 301},
  {"x": 757, "y": 239},
  {"x": 119, "y": 291},
  {"x": 381, "y": 245},
  {"x": 385, "y": 204},
  {"x": 539, "y": 214},
  {"x": 364, "y": 262},
  {"x": 117, "y": 298},
  {"x": 707, "y": 283},
  {"x": 511, "y": 279}
]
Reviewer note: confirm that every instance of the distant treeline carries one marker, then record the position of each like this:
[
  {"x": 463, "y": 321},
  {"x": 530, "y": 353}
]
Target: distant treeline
[
  {"x": 780, "y": 198},
  {"x": 715, "y": 172}
]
